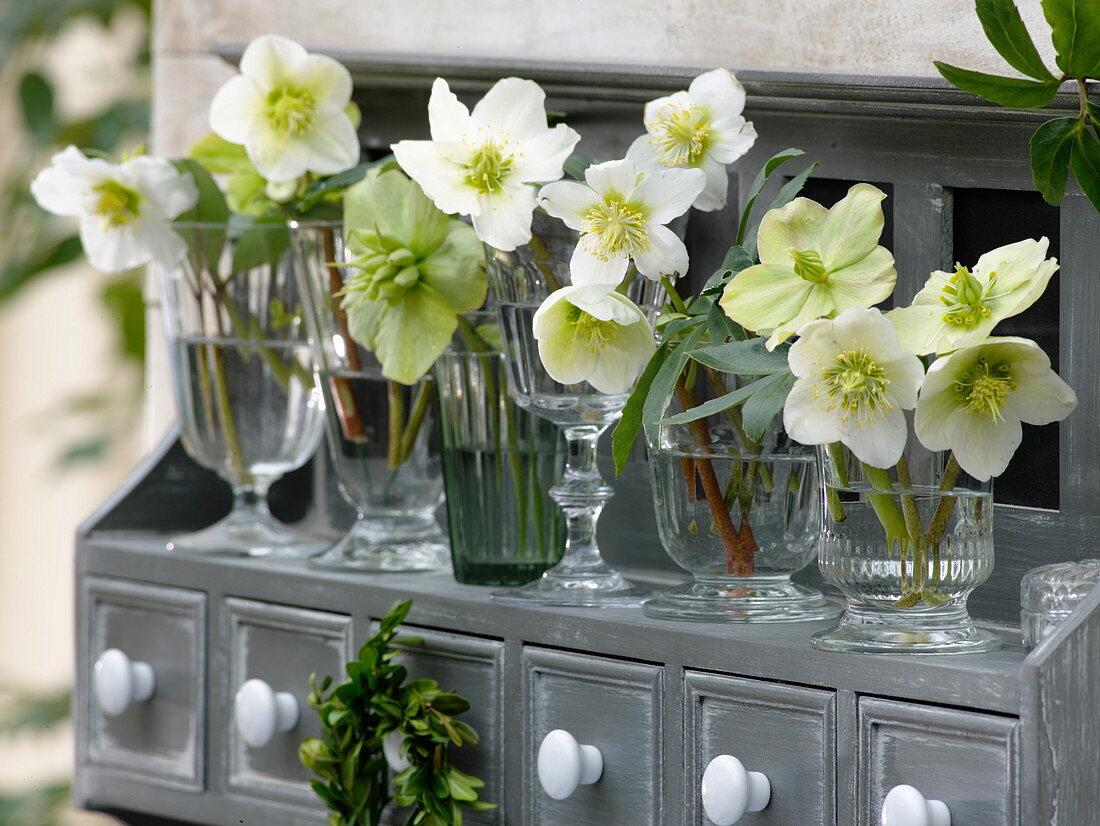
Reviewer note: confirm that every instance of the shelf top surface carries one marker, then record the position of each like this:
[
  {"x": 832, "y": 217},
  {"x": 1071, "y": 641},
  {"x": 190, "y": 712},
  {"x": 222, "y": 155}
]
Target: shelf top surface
[{"x": 772, "y": 651}]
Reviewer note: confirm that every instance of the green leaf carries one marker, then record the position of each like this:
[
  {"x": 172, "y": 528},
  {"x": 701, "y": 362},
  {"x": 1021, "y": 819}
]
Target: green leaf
[
  {"x": 743, "y": 358},
  {"x": 758, "y": 184},
  {"x": 18, "y": 273},
  {"x": 259, "y": 241},
  {"x": 204, "y": 246},
  {"x": 763, "y": 406},
  {"x": 1012, "y": 92},
  {"x": 736, "y": 259},
  {"x": 720, "y": 326},
  {"x": 630, "y": 422},
  {"x": 787, "y": 193},
  {"x": 1006, "y": 31},
  {"x": 664, "y": 383},
  {"x": 36, "y": 96},
  {"x": 219, "y": 156},
  {"x": 1050, "y": 153},
  {"x": 1075, "y": 28},
  {"x": 123, "y": 298},
  {"x": 341, "y": 180},
  {"x": 451, "y": 704},
  {"x": 1086, "y": 165},
  {"x": 576, "y": 164},
  {"x": 715, "y": 405}
]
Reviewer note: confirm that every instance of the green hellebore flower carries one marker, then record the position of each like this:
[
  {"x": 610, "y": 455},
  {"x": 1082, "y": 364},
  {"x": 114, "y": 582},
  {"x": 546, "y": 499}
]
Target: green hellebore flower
[
  {"x": 417, "y": 270},
  {"x": 814, "y": 263}
]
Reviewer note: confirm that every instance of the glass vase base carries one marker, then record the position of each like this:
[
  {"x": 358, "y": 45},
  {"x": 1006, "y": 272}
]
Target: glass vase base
[
  {"x": 608, "y": 590},
  {"x": 496, "y": 573},
  {"x": 251, "y": 536},
  {"x": 388, "y": 546},
  {"x": 742, "y": 600},
  {"x": 890, "y": 631}
]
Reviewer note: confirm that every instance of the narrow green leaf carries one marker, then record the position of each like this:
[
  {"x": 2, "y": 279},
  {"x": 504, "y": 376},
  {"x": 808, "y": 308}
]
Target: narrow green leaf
[
  {"x": 713, "y": 406},
  {"x": 1012, "y": 92},
  {"x": 576, "y": 164},
  {"x": 1050, "y": 153},
  {"x": 1086, "y": 164},
  {"x": 1006, "y": 31},
  {"x": 720, "y": 326},
  {"x": 630, "y": 422},
  {"x": 18, "y": 273},
  {"x": 787, "y": 193},
  {"x": 36, "y": 96},
  {"x": 736, "y": 259},
  {"x": 1075, "y": 28},
  {"x": 760, "y": 408},
  {"x": 758, "y": 184},
  {"x": 664, "y": 383},
  {"x": 204, "y": 246},
  {"x": 743, "y": 358}
]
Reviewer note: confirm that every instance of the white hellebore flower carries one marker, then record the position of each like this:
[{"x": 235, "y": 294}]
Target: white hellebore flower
[
  {"x": 701, "y": 128},
  {"x": 124, "y": 209},
  {"x": 486, "y": 163},
  {"x": 621, "y": 215},
  {"x": 854, "y": 379},
  {"x": 593, "y": 334},
  {"x": 287, "y": 107},
  {"x": 973, "y": 401},
  {"x": 955, "y": 310}
]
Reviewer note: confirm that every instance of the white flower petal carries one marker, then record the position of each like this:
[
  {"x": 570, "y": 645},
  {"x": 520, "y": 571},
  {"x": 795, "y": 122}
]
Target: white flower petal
[
  {"x": 504, "y": 218},
  {"x": 428, "y": 163},
  {"x": 568, "y": 201},
  {"x": 1042, "y": 399},
  {"x": 644, "y": 155},
  {"x": 795, "y": 226},
  {"x": 448, "y": 117},
  {"x": 332, "y": 145},
  {"x": 659, "y": 107},
  {"x": 112, "y": 250},
  {"x": 982, "y": 450},
  {"x": 56, "y": 188},
  {"x": 857, "y": 328},
  {"x": 277, "y": 157},
  {"x": 714, "y": 194},
  {"x": 267, "y": 59},
  {"x": 513, "y": 106},
  {"x": 665, "y": 255},
  {"x": 805, "y": 420},
  {"x": 668, "y": 193},
  {"x": 622, "y": 361},
  {"x": 327, "y": 80},
  {"x": 236, "y": 107},
  {"x": 541, "y": 157},
  {"x": 720, "y": 90},
  {"x": 852, "y": 227},
  {"x": 879, "y": 444},
  {"x": 605, "y": 303},
  {"x": 920, "y": 327},
  {"x": 164, "y": 245},
  {"x": 733, "y": 138},
  {"x": 613, "y": 178},
  {"x": 157, "y": 179},
  {"x": 587, "y": 268},
  {"x": 815, "y": 343}
]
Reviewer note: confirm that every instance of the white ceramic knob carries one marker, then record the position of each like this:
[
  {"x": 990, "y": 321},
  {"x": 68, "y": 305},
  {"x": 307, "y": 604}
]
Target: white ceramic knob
[
  {"x": 728, "y": 790},
  {"x": 565, "y": 764},
  {"x": 120, "y": 683},
  {"x": 905, "y": 806},
  {"x": 261, "y": 712},
  {"x": 391, "y": 748}
]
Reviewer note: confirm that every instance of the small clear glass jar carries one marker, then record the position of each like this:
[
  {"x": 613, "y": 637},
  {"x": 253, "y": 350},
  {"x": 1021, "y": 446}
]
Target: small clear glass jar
[{"x": 1049, "y": 593}]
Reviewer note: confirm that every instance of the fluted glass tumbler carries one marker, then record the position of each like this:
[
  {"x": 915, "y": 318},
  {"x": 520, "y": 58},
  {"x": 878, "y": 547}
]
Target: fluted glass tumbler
[{"x": 245, "y": 395}]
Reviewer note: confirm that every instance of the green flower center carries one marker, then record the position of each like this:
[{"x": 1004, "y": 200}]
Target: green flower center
[
  {"x": 593, "y": 331},
  {"x": 617, "y": 227},
  {"x": 681, "y": 134},
  {"x": 857, "y": 383},
  {"x": 117, "y": 204},
  {"x": 384, "y": 274},
  {"x": 488, "y": 168},
  {"x": 964, "y": 297},
  {"x": 290, "y": 110},
  {"x": 808, "y": 265},
  {"x": 984, "y": 388}
]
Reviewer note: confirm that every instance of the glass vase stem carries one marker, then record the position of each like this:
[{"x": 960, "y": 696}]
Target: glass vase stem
[{"x": 581, "y": 495}]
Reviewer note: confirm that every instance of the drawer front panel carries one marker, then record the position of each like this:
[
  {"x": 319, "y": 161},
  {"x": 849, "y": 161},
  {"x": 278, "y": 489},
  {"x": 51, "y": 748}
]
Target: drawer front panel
[
  {"x": 282, "y": 646},
  {"x": 473, "y": 667},
  {"x": 159, "y": 740},
  {"x": 785, "y": 732},
  {"x": 965, "y": 759},
  {"x": 613, "y": 705}
]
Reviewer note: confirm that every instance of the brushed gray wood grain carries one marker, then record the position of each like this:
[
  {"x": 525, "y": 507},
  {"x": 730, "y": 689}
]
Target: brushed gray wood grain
[
  {"x": 612, "y": 705},
  {"x": 786, "y": 732},
  {"x": 160, "y": 740},
  {"x": 281, "y": 645},
  {"x": 965, "y": 759}
]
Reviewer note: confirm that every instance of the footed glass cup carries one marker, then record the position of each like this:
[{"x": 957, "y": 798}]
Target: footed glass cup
[
  {"x": 741, "y": 517},
  {"x": 245, "y": 396},
  {"x": 381, "y": 434},
  {"x": 520, "y": 281},
  {"x": 907, "y": 546}
]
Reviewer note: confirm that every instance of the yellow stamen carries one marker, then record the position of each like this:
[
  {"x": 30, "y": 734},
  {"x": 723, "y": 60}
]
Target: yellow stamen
[
  {"x": 681, "y": 134},
  {"x": 857, "y": 383},
  {"x": 290, "y": 110},
  {"x": 488, "y": 168},
  {"x": 617, "y": 227},
  {"x": 985, "y": 387},
  {"x": 118, "y": 204}
]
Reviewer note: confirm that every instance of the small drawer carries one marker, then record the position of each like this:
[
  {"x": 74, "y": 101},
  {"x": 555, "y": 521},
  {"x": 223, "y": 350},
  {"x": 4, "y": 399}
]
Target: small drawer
[
  {"x": 612, "y": 705},
  {"x": 473, "y": 667},
  {"x": 281, "y": 646},
  {"x": 965, "y": 759},
  {"x": 785, "y": 732},
  {"x": 151, "y": 635}
]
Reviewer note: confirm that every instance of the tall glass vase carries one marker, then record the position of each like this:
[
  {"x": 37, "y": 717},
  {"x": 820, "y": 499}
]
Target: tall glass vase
[
  {"x": 521, "y": 280},
  {"x": 381, "y": 434},
  {"x": 907, "y": 545},
  {"x": 242, "y": 378}
]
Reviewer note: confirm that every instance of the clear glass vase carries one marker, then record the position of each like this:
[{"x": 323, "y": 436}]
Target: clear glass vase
[
  {"x": 906, "y": 546},
  {"x": 520, "y": 281},
  {"x": 245, "y": 396},
  {"x": 381, "y": 434},
  {"x": 499, "y": 463},
  {"x": 741, "y": 517}
]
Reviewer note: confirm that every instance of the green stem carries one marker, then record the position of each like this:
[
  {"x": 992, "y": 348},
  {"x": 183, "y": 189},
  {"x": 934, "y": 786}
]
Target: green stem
[
  {"x": 542, "y": 259},
  {"x": 396, "y": 396},
  {"x": 886, "y": 509},
  {"x": 673, "y": 296},
  {"x": 421, "y": 404},
  {"x": 840, "y": 468},
  {"x": 908, "y": 501},
  {"x": 232, "y": 443},
  {"x": 946, "y": 504}
]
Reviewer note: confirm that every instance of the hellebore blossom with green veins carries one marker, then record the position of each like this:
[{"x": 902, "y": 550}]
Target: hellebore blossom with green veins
[
  {"x": 621, "y": 215},
  {"x": 593, "y": 334},
  {"x": 124, "y": 209},
  {"x": 973, "y": 401},
  {"x": 288, "y": 108},
  {"x": 954, "y": 310},
  {"x": 417, "y": 271},
  {"x": 488, "y": 163},
  {"x": 701, "y": 128}
]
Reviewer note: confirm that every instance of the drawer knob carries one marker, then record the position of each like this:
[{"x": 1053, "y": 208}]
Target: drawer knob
[
  {"x": 119, "y": 683},
  {"x": 565, "y": 764},
  {"x": 391, "y": 748},
  {"x": 905, "y": 806},
  {"x": 728, "y": 790},
  {"x": 261, "y": 712}
]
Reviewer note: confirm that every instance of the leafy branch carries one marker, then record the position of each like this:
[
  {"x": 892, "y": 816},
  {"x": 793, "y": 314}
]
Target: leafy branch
[
  {"x": 378, "y": 704},
  {"x": 1062, "y": 143}
]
